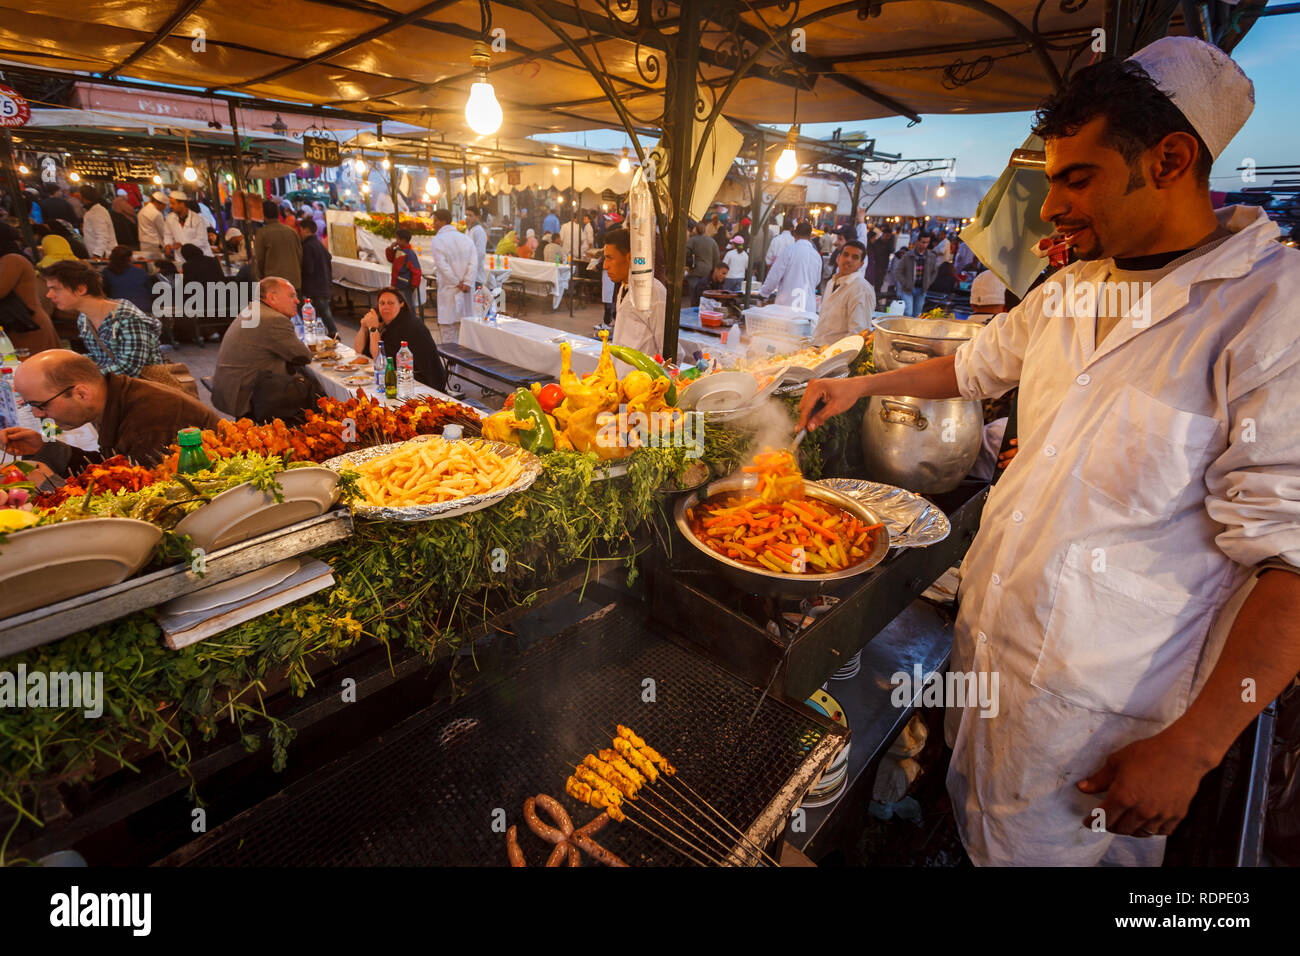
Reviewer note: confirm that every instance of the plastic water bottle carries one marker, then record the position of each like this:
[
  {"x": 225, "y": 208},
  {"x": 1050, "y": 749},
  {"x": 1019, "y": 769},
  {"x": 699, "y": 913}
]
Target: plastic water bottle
[
  {"x": 298, "y": 328},
  {"x": 8, "y": 402},
  {"x": 311, "y": 328},
  {"x": 405, "y": 374},
  {"x": 7, "y": 350},
  {"x": 381, "y": 368}
]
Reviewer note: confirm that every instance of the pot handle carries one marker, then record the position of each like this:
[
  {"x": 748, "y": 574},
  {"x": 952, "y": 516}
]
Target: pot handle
[
  {"x": 909, "y": 353},
  {"x": 901, "y": 413}
]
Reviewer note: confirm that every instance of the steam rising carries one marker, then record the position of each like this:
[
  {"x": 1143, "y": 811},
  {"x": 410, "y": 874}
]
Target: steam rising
[{"x": 769, "y": 425}]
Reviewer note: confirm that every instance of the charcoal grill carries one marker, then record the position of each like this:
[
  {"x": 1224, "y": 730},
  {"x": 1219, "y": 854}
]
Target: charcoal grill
[{"x": 431, "y": 791}]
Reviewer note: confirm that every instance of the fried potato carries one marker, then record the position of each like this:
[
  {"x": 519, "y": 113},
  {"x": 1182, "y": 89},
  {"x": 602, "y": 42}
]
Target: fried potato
[{"x": 435, "y": 471}]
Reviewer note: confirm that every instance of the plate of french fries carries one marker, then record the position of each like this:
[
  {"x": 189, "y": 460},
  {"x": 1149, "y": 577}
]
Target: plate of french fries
[{"x": 431, "y": 477}]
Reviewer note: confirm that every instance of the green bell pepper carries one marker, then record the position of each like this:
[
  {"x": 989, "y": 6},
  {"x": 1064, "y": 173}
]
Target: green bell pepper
[
  {"x": 644, "y": 363},
  {"x": 539, "y": 437}
]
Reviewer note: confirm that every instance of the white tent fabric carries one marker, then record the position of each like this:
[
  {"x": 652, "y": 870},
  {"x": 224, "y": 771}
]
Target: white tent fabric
[{"x": 918, "y": 197}]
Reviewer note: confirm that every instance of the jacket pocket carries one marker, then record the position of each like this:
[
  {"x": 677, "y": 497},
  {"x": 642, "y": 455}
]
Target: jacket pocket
[
  {"x": 1116, "y": 642},
  {"x": 1145, "y": 456}
]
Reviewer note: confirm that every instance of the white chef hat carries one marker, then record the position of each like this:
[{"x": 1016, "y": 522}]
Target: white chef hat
[
  {"x": 1206, "y": 85},
  {"x": 179, "y": 194},
  {"x": 987, "y": 289}
]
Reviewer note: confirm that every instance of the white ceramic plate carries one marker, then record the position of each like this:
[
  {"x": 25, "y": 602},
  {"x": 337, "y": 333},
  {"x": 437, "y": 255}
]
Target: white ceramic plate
[
  {"x": 54, "y": 562},
  {"x": 846, "y": 350},
  {"x": 243, "y": 512},
  {"x": 236, "y": 589},
  {"x": 718, "y": 392}
]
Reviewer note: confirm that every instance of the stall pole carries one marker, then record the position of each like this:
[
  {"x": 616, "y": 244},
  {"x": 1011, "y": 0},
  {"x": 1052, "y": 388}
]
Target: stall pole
[
  {"x": 679, "y": 122},
  {"x": 15, "y": 188},
  {"x": 573, "y": 229},
  {"x": 214, "y": 188},
  {"x": 392, "y": 191},
  {"x": 760, "y": 154},
  {"x": 857, "y": 192},
  {"x": 240, "y": 185}
]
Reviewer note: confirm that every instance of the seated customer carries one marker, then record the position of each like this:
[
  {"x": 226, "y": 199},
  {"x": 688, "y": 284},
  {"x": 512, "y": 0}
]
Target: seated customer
[
  {"x": 117, "y": 335},
  {"x": 122, "y": 280},
  {"x": 255, "y": 344},
  {"x": 394, "y": 324},
  {"x": 134, "y": 417}
]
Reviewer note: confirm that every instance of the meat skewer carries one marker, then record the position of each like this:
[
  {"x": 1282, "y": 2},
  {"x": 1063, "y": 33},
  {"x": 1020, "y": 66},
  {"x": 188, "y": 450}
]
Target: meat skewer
[{"x": 583, "y": 791}]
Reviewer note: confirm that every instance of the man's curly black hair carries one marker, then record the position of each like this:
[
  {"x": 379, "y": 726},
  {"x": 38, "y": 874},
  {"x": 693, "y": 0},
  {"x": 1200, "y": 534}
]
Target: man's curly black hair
[{"x": 1137, "y": 114}]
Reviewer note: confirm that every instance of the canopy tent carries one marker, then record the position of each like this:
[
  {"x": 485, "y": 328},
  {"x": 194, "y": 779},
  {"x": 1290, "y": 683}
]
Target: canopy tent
[
  {"x": 919, "y": 197},
  {"x": 404, "y": 60}
]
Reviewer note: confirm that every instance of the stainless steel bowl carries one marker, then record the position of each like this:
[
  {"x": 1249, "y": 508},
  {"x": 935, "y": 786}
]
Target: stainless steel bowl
[{"x": 762, "y": 581}]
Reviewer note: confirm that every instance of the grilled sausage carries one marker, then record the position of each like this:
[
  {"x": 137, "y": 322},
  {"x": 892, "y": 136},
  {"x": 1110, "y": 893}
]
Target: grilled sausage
[
  {"x": 557, "y": 855},
  {"x": 596, "y": 851},
  {"x": 575, "y": 858},
  {"x": 557, "y": 812},
  {"x": 547, "y": 833},
  {"x": 594, "y": 826},
  {"x": 512, "y": 848}
]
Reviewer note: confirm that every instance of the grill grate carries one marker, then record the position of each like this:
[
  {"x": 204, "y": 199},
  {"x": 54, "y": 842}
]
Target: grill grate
[{"x": 425, "y": 794}]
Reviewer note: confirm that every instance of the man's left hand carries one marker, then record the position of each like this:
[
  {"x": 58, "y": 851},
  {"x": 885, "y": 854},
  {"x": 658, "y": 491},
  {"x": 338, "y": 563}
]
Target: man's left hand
[
  {"x": 462, "y": 286},
  {"x": 1148, "y": 785}
]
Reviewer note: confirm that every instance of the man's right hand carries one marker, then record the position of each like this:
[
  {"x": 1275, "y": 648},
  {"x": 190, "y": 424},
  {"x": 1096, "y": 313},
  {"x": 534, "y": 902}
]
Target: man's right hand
[
  {"x": 21, "y": 441},
  {"x": 837, "y": 396}
]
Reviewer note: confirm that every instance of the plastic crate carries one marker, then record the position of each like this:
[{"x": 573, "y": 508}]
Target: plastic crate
[{"x": 779, "y": 320}]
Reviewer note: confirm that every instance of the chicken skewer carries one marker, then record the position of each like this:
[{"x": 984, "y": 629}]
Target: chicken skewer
[
  {"x": 632, "y": 743},
  {"x": 626, "y": 784},
  {"x": 584, "y": 792}
]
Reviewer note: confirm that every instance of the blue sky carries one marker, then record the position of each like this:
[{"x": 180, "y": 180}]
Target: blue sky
[{"x": 982, "y": 143}]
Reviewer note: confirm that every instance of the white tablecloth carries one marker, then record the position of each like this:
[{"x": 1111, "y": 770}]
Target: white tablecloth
[
  {"x": 537, "y": 347},
  {"x": 534, "y": 273},
  {"x": 332, "y": 383},
  {"x": 368, "y": 275}
]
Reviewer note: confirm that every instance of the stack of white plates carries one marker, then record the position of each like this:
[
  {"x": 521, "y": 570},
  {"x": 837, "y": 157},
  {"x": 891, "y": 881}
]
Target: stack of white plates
[{"x": 834, "y": 780}]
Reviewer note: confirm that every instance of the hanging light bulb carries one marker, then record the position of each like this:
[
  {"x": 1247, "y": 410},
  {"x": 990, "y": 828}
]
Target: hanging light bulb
[
  {"x": 359, "y": 166},
  {"x": 23, "y": 170},
  {"x": 624, "y": 166},
  {"x": 482, "y": 111},
  {"x": 433, "y": 187},
  {"x": 190, "y": 174},
  {"x": 303, "y": 164},
  {"x": 485, "y": 170},
  {"x": 74, "y": 176},
  {"x": 385, "y": 163},
  {"x": 555, "y": 170},
  {"x": 157, "y": 180},
  {"x": 787, "y": 164},
  {"x": 941, "y": 191},
  {"x": 365, "y": 187}
]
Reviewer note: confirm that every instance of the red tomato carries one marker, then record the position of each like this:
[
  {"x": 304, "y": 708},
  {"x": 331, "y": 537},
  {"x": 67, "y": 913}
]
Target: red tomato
[
  {"x": 12, "y": 475},
  {"x": 550, "y": 397},
  {"x": 510, "y": 401}
]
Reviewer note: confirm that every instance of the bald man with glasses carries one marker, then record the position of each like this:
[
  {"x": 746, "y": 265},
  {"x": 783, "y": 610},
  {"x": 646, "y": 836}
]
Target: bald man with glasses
[{"x": 134, "y": 417}]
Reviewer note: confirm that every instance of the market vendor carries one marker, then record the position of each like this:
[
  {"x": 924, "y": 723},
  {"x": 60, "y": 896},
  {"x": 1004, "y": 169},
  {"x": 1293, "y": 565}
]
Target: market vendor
[
  {"x": 634, "y": 328},
  {"x": 848, "y": 301},
  {"x": 1135, "y": 568},
  {"x": 134, "y": 417}
]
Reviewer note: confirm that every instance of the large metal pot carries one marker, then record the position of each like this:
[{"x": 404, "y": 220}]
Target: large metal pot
[
  {"x": 901, "y": 341},
  {"x": 761, "y": 580},
  {"x": 926, "y": 445}
]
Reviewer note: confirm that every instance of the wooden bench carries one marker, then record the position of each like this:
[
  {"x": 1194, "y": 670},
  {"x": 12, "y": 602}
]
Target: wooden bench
[
  {"x": 349, "y": 287},
  {"x": 459, "y": 359}
]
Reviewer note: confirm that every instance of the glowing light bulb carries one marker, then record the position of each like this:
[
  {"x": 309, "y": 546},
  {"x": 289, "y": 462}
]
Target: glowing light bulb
[
  {"x": 303, "y": 164},
  {"x": 787, "y": 164},
  {"x": 941, "y": 191},
  {"x": 385, "y": 163},
  {"x": 624, "y": 166},
  {"x": 157, "y": 180},
  {"x": 555, "y": 170},
  {"x": 485, "y": 170},
  {"x": 190, "y": 175},
  {"x": 482, "y": 111},
  {"x": 359, "y": 166},
  {"x": 365, "y": 187},
  {"x": 23, "y": 170},
  {"x": 74, "y": 176},
  {"x": 433, "y": 187}
]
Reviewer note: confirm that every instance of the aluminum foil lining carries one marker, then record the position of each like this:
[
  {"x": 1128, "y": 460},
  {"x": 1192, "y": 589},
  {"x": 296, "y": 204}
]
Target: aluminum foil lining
[
  {"x": 913, "y": 522},
  {"x": 532, "y": 467}
]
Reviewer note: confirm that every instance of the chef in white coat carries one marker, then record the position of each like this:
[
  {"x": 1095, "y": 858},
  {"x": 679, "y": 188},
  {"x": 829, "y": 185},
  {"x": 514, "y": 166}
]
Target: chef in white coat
[
  {"x": 97, "y": 225},
  {"x": 478, "y": 236},
  {"x": 454, "y": 268},
  {"x": 848, "y": 301},
  {"x": 796, "y": 273},
  {"x": 150, "y": 222},
  {"x": 633, "y": 327},
  {"x": 1133, "y": 585},
  {"x": 184, "y": 226},
  {"x": 780, "y": 242}
]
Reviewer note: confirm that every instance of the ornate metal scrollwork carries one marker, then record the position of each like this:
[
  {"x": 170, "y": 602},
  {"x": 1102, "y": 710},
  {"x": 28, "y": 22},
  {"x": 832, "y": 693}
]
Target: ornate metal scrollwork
[
  {"x": 958, "y": 73},
  {"x": 651, "y": 69}
]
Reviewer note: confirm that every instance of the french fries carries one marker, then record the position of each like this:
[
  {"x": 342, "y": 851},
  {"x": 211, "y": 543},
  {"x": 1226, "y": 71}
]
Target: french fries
[{"x": 429, "y": 473}]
